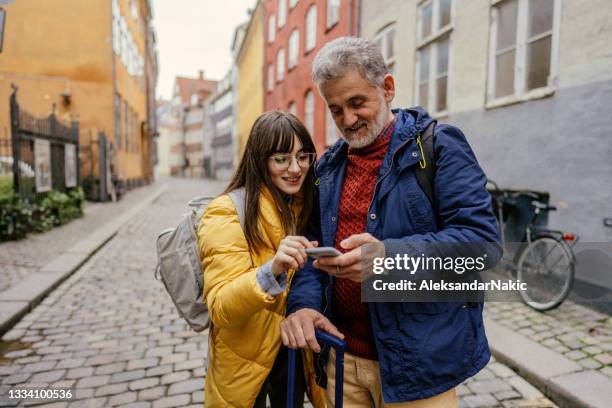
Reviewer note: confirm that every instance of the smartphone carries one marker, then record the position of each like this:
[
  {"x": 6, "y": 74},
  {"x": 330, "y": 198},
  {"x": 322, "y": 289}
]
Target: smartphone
[{"x": 322, "y": 252}]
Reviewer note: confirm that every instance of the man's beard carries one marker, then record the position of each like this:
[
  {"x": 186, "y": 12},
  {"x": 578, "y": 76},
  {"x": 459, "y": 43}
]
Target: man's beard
[{"x": 373, "y": 129}]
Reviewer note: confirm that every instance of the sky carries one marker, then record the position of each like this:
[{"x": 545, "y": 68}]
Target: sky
[{"x": 194, "y": 35}]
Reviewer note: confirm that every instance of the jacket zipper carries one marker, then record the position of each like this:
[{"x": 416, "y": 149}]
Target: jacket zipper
[{"x": 385, "y": 175}]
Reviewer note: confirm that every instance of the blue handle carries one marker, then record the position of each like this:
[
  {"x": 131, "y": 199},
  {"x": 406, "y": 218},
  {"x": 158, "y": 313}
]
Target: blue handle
[{"x": 324, "y": 339}]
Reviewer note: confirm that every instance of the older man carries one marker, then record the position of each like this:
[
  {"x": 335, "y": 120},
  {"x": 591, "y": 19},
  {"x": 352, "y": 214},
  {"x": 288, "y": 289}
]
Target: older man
[{"x": 414, "y": 354}]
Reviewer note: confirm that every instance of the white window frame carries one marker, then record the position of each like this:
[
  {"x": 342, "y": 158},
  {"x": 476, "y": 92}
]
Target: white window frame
[
  {"x": 309, "y": 111},
  {"x": 521, "y": 93},
  {"x": 134, "y": 10},
  {"x": 292, "y": 108},
  {"x": 270, "y": 77},
  {"x": 294, "y": 48},
  {"x": 333, "y": 12},
  {"x": 280, "y": 65},
  {"x": 331, "y": 130},
  {"x": 271, "y": 28},
  {"x": 311, "y": 28},
  {"x": 432, "y": 41},
  {"x": 382, "y": 37},
  {"x": 292, "y": 3},
  {"x": 282, "y": 13}
]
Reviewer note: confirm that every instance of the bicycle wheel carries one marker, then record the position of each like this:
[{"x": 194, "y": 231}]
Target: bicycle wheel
[{"x": 547, "y": 268}]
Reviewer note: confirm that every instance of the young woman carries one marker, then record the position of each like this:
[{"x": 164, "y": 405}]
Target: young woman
[{"x": 247, "y": 272}]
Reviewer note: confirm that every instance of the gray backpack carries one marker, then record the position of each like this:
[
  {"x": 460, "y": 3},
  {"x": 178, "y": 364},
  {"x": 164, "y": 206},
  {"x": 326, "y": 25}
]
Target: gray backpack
[{"x": 179, "y": 266}]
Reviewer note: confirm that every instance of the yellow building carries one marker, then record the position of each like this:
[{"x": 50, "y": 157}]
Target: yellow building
[
  {"x": 249, "y": 61},
  {"x": 95, "y": 60}
]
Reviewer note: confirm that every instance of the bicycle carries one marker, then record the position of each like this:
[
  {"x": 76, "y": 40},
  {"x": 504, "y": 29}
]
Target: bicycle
[{"x": 545, "y": 260}]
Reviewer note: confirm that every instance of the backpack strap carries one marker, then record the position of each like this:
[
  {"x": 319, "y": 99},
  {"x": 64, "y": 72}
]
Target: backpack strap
[
  {"x": 238, "y": 196},
  {"x": 426, "y": 172}
]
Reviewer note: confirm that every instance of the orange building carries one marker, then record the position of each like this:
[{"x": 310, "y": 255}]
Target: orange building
[
  {"x": 294, "y": 31},
  {"x": 93, "y": 60}
]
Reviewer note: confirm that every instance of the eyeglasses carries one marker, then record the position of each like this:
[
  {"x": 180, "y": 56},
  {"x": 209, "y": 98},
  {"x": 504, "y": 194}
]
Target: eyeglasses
[{"x": 283, "y": 161}]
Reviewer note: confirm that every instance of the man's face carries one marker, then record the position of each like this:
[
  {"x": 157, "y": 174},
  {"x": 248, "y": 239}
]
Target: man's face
[{"x": 360, "y": 109}]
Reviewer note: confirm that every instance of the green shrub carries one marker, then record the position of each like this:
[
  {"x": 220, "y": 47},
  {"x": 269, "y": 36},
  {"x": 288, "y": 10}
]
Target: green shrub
[
  {"x": 15, "y": 216},
  {"x": 18, "y": 216}
]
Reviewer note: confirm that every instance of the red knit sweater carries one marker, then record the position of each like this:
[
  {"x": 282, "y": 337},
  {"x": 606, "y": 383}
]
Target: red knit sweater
[{"x": 351, "y": 315}]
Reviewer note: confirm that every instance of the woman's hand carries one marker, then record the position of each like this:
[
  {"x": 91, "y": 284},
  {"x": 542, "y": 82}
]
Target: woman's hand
[{"x": 291, "y": 254}]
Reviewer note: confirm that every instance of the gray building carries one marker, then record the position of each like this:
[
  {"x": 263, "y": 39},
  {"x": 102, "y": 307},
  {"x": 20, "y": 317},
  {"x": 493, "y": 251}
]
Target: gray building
[
  {"x": 530, "y": 84},
  {"x": 223, "y": 143}
]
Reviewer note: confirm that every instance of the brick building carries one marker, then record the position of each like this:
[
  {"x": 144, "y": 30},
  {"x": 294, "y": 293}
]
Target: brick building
[
  {"x": 293, "y": 33},
  {"x": 187, "y": 131}
]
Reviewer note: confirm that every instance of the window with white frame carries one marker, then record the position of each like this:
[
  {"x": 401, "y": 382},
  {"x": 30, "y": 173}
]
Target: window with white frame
[
  {"x": 386, "y": 41},
  {"x": 292, "y": 109},
  {"x": 270, "y": 77},
  {"x": 433, "y": 54},
  {"x": 116, "y": 27},
  {"x": 134, "y": 9},
  {"x": 282, "y": 12},
  {"x": 311, "y": 28},
  {"x": 271, "y": 28},
  {"x": 294, "y": 46},
  {"x": 524, "y": 38},
  {"x": 292, "y": 3},
  {"x": 309, "y": 111},
  {"x": 331, "y": 131},
  {"x": 280, "y": 64},
  {"x": 333, "y": 12}
]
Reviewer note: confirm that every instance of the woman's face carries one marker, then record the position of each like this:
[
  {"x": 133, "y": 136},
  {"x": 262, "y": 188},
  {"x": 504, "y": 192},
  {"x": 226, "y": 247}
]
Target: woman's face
[{"x": 288, "y": 170}]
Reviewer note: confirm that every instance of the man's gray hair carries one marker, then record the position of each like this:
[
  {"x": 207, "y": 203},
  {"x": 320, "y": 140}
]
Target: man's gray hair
[{"x": 346, "y": 53}]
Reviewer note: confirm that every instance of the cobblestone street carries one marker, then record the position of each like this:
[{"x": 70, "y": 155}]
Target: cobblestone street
[
  {"x": 111, "y": 333},
  {"x": 18, "y": 259}
]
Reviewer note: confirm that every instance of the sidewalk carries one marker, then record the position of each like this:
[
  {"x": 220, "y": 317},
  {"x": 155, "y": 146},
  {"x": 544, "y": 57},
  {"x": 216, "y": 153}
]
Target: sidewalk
[
  {"x": 566, "y": 352},
  {"x": 32, "y": 267}
]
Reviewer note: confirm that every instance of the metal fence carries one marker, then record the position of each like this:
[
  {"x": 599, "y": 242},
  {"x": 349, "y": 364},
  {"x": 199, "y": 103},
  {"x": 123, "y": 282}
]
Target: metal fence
[
  {"x": 45, "y": 152},
  {"x": 96, "y": 166}
]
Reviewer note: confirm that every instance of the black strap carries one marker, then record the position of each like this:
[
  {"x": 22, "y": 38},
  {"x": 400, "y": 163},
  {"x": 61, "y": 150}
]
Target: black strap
[{"x": 425, "y": 176}]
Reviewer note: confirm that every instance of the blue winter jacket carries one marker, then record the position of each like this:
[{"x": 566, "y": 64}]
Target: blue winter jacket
[{"x": 423, "y": 348}]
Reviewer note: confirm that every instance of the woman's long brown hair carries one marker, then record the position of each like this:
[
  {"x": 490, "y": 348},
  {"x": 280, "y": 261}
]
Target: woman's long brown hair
[{"x": 273, "y": 132}]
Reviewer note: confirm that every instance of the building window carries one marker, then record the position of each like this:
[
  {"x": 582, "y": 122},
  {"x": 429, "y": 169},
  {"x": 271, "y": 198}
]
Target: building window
[
  {"x": 309, "y": 111},
  {"x": 116, "y": 27},
  {"x": 271, "y": 28},
  {"x": 386, "y": 41},
  {"x": 134, "y": 9},
  {"x": 294, "y": 45},
  {"x": 280, "y": 64},
  {"x": 331, "y": 133},
  {"x": 126, "y": 125},
  {"x": 524, "y": 48},
  {"x": 292, "y": 3},
  {"x": 311, "y": 28},
  {"x": 292, "y": 109},
  {"x": 433, "y": 53},
  {"x": 117, "y": 121},
  {"x": 270, "y": 77},
  {"x": 282, "y": 12},
  {"x": 333, "y": 12}
]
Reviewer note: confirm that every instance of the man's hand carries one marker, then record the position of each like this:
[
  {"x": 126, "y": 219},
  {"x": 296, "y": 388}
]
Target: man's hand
[
  {"x": 298, "y": 329},
  {"x": 349, "y": 265}
]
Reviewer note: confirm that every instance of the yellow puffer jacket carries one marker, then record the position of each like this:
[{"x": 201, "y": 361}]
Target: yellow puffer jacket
[{"x": 245, "y": 336}]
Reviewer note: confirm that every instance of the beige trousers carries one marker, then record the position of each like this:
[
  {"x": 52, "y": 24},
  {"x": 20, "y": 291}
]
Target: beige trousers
[{"x": 362, "y": 386}]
